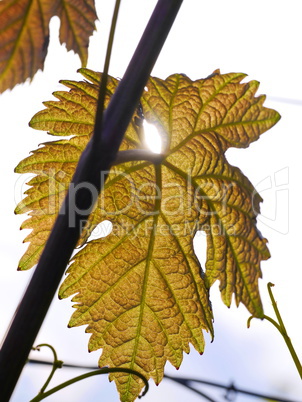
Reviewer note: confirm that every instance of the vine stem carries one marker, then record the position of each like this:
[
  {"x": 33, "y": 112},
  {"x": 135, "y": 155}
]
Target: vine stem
[
  {"x": 283, "y": 331},
  {"x": 43, "y": 395},
  {"x": 59, "y": 364},
  {"x": 281, "y": 328},
  {"x": 92, "y": 170}
]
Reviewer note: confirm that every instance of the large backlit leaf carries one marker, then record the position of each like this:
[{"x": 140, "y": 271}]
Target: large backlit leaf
[
  {"x": 141, "y": 289},
  {"x": 24, "y": 34}
]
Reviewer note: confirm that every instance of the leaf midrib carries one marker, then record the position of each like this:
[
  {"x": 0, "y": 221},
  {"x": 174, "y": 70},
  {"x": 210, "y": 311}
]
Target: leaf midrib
[{"x": 157, "y": 205}]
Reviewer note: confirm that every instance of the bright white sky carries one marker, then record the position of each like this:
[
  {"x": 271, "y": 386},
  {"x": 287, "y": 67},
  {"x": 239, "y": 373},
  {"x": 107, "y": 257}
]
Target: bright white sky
[{"x": 260, "y": 38}]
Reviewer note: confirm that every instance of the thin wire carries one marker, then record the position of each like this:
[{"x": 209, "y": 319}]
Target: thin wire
[
  {"x": 229, "y": 388},
  {"x": 290, "y": 101}
]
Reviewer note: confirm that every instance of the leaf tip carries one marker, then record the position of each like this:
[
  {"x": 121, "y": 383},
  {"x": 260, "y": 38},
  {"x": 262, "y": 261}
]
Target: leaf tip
[
  {"x": 278, "y": 116},
  {"x": 82, "y": 70}
]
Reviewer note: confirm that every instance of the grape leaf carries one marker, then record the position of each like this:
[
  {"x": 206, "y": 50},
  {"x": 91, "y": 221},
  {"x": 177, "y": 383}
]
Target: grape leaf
[
  {"x": 141, "y": 289},
  {"x": 77, "y": 25},
  {"x": 24, "y": 34}
]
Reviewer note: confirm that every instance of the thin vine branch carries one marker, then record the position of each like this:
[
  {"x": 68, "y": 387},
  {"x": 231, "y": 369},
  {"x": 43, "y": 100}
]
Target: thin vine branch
[
  {"x": 281, "y": 328},
  {"x": 103, "y": 84},
  {"x": 105, "y": 370},
  {"x": 59, "y": 363},
  {"x": 93, "y": 165}
]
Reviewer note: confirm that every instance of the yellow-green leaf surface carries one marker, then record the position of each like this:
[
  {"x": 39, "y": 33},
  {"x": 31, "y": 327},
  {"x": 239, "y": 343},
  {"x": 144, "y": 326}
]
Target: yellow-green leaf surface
[
  {"x": 141, "y": 289},
  {"x": 24, "y": 34}
]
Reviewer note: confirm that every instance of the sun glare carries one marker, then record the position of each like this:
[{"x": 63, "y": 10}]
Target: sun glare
[{"x": 152, "y": 137}]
